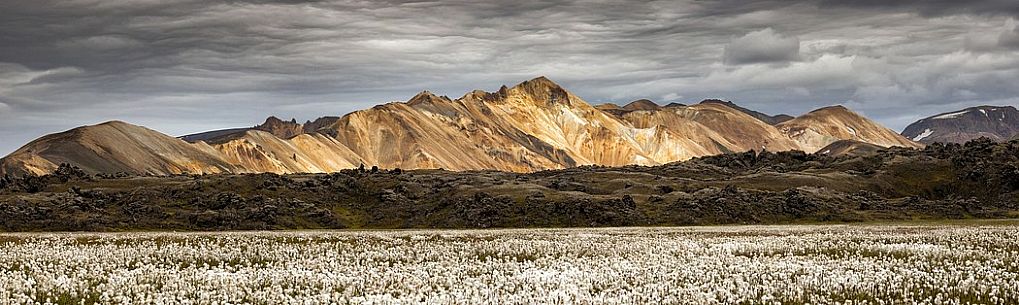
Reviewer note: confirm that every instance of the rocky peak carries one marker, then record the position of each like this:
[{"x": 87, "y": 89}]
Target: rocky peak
[
  {"x": 281, "y": 128},
  {"x": 544, "y": 90},
  {"x": 427, "y": 98}
]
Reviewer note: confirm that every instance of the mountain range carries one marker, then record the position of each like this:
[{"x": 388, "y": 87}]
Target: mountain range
[{"x": 535, "y": 125}]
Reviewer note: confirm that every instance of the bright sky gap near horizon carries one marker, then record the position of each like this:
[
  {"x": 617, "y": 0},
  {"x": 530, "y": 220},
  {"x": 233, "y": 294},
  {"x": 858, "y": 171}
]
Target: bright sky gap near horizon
[{"x": 186, "y": 66}]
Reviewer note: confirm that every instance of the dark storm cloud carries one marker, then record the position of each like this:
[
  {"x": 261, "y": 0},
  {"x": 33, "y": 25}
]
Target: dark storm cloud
[
  {"x": 188, "y": 65},
  {"x": 933, "y": 7}
]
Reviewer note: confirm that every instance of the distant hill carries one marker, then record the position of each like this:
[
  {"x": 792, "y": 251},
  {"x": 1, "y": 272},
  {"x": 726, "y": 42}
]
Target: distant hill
[
  {"x": 827, "y": 125},
  {"x": 997, "y": 123}
]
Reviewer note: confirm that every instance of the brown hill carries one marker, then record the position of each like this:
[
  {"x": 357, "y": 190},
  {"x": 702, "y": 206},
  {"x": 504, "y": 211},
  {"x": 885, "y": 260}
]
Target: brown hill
[
  {"x": 115, "y": 147},
  {"x": 641, "y": 104},
  {"x": 824, "y": 126},
  {"x": 998, "y": 123},
  {"x": 534, "y": 125}
]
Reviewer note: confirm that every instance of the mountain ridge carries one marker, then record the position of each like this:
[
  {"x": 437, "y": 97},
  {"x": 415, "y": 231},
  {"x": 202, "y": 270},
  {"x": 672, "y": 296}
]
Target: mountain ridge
[
  {"x": 534, "y": 125},
  {"x": 998, "y": 123}
]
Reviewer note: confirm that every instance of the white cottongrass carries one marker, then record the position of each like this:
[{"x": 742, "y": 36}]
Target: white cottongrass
[{"x": 704, "y": 265}]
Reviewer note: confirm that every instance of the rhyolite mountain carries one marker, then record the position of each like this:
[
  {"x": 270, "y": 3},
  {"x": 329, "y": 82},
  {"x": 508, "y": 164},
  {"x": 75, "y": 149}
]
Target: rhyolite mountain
[
  {"x": 770, "y": 119},
  {"x": 998, "y": 123},
  {"x": 535, "y": 125}
]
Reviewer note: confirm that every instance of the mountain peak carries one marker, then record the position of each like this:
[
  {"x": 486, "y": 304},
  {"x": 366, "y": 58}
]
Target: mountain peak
[
  {"x": 543, "y": 89},
  {"x": 999, "y": 123},
  {"x": 834, "y": 110},
  {"x": 280, "y": 128},
  {"x": 115, "y": 123},
  {"x": 539, "y": 83},
  {"x": 641, "y": 104},
  {"x": 426, "y": 97},
  {"x": 273, "y": 120},
  {"x": 716, "y": 101},
  {"x": 542, "y": 78},
  {"x": 838, "y": 108}
]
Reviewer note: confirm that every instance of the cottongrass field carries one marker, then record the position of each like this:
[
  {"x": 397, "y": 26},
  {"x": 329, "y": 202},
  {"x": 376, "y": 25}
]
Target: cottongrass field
[{"x": 840, "y": 264}]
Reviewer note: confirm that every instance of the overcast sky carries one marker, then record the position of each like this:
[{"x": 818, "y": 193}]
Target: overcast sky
[{"x": 193, "y": 65}]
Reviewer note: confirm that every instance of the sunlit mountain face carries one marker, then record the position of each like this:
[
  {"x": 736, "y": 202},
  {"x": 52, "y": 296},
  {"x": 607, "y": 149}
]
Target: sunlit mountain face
[{"x": 534, "y": 125}]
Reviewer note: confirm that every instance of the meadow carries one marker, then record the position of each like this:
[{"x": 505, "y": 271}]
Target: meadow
[{"x": 801, "y": 264}]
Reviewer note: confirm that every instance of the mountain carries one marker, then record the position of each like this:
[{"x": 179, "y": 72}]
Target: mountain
[
  {"x": 642, "y": 104},
  {"x": 115, "y": 147},
  {"x": 706, "y": 129},
  {"x": 535, "y": 125},
  {"x": 760, "y": 116},
  {"x": 824, "y": 126},
  {"x": 999, "y": 123},
  {"x": 638, "y": 105},
  {"x": 273, "y": 125}
]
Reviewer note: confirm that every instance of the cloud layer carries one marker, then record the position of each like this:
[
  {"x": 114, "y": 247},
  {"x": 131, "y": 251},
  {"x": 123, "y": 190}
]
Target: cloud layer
[
  {"x": 761, "y": 47},
  {"x": 188, "y": 65}
]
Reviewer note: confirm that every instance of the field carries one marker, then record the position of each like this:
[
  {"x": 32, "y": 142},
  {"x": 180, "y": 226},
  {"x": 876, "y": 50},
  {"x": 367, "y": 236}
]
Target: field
[{"x": 840, "y": 264}]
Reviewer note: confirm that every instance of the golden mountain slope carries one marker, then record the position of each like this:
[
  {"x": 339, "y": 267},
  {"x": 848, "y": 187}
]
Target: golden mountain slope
[
  {"x": 534, "y": 125},
  {"x": 115, "y": 147},
  {"x": 260, "y": 151},
  {"x": 824, "y": 126}
]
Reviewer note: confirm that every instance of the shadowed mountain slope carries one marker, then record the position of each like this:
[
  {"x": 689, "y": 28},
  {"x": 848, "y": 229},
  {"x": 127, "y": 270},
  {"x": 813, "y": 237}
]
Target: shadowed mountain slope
[{"x": 998, "y": 123}]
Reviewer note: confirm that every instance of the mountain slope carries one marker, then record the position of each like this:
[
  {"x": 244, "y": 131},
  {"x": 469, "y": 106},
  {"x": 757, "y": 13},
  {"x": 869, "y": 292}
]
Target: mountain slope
[
  {"x": 994, "y": 122},
  {"x": 273, "y": 125},
  {"x": 260, "y": 151},
  {"x": 772, "y": 120},
  {"x": 535, "y": 125},
  {"x": 824, "y": 126},
  {"x": 115, "y": 147}
]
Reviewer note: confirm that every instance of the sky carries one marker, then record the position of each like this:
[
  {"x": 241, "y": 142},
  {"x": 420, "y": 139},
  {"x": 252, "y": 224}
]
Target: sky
[{"x": 184, "y": 66}]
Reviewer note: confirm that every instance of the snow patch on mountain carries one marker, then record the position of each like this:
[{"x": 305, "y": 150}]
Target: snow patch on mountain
[
  {"x": 951, "y": 115},
  {"x": 926, "y": 133}
]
